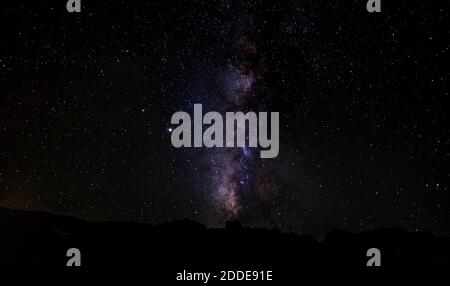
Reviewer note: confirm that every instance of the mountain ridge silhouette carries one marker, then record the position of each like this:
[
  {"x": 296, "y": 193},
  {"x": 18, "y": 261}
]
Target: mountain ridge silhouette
[{"x": 39, "y": 239}]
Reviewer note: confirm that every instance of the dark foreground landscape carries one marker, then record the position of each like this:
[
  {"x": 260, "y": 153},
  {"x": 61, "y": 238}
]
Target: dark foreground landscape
[{"x": 41, "y": 240}]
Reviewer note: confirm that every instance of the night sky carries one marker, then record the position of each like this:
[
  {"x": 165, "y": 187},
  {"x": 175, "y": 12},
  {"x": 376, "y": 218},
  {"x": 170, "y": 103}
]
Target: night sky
[{"x": 86, "y": 101}]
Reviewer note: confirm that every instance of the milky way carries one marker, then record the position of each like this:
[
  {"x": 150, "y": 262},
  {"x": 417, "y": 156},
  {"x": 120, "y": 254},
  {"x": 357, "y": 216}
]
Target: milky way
[
  {"x": 87, "y": 99},
  {"x": 233, "y": 177}
]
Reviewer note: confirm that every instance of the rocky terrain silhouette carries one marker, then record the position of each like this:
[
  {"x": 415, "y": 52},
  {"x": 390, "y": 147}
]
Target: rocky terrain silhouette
[{"x": 37, "y": 239}]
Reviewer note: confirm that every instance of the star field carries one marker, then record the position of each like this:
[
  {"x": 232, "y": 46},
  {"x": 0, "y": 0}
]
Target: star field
[{"x": 86, "y": 101}]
